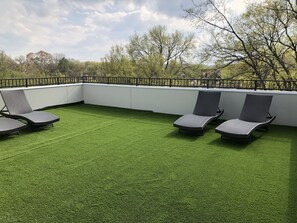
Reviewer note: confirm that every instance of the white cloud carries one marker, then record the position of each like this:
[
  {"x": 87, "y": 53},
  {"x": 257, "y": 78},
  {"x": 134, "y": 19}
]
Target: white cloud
[
  {"x": 236, "y": 6},
  {"x": 83, "y": 29},
  {"x": 110, "y": 16},
  {"x": 99, "y": 6}
]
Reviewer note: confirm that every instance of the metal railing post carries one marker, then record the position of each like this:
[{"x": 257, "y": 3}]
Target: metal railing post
[
  {"x": 137, "y": 81},
  {"x": 83, "y": 79}
]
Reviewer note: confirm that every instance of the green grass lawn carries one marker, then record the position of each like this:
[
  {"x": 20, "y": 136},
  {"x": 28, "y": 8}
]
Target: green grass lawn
[{"x": 103, "y": 164}]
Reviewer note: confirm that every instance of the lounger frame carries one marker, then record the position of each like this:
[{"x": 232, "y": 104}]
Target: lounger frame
[
  {"x": 10, "y": 126},
  {"x": 251, "y": 101},
  {"x": 17, "y": 107},
  {"x": 206, "y": 110}
]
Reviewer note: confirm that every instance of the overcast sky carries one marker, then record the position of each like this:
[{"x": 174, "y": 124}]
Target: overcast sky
[{"x": 84, "y": 29}]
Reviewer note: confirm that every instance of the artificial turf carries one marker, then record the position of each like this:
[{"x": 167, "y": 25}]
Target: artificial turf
[{"x": 102, "y": 164}]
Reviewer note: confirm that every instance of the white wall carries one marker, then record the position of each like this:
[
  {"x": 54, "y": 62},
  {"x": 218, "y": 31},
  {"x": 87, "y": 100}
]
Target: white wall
[
  {"x": 107, "y": 95},
  {"x": 173, "y": 100},
  {"x": 163, "y": 99},
  {"x": 182, "y": 100},
  {"x": 45, "y": 96}
]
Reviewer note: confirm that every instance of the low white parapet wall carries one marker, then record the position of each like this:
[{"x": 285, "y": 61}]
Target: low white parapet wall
[
  {"x": 179, "y": 101},
  {"x": 167, "y": 100},
  {"x": 46, "y": 96}
]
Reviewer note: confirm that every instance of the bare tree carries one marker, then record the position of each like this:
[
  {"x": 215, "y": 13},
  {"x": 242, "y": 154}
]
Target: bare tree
[
  {"x": 164, "y": 53},
  {"x": 264, "y": 37}
]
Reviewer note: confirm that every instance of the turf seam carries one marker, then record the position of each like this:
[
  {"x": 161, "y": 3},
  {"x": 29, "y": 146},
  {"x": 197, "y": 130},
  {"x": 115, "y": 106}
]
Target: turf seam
[{"x": 57, "y": 140}]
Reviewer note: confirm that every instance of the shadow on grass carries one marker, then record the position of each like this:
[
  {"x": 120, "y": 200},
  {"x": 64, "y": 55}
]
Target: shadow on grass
[
  {"x": 31, "y": 128},
  {"x": 191, "y": 137},
  {"x": 234, "y": 144},
  {"x": 25, "y": 131},
  {"x": 7, "y": 136},
  {"x": 292, "y": 205}
]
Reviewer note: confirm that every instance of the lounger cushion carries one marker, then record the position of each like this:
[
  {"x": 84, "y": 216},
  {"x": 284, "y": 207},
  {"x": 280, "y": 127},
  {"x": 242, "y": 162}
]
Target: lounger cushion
[
  {"x": 16, "y": 101},
  {"x": 19, "y": 108},
  {"x": 207, "y": 103},
  {"x": 237, "y": 128},
  {"x": 40, "y": 118},
  {"x": 8, "y": 125},
  {"x": 192, "y": 122},
  {"x": 205, "y": 110},
  {"x": 256, "y": 108}
]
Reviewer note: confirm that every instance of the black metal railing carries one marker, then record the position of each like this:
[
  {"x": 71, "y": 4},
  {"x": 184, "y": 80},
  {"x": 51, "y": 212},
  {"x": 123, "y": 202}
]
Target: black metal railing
[
  {"x": 287, "y": 85},
  {"x": 39, "y": 81}
]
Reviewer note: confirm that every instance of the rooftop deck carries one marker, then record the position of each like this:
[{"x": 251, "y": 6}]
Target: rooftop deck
[{"x": 101, "y": 164}]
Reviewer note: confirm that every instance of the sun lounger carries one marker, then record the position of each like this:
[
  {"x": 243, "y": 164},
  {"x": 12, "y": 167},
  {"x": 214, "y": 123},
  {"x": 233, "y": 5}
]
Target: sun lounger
[
  {"x": 8, "y": 126},
  {"x": 206, "y": 110},
  {"x": 254, "y": 115},
  {"x": 18, "y": 107}
]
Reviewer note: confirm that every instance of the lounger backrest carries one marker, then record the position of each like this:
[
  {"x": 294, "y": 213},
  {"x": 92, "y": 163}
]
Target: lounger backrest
[
  {"x": 207, "y": 103},
  {"x": 16, "y": 101},
  {"x": 256, "y": 108}
]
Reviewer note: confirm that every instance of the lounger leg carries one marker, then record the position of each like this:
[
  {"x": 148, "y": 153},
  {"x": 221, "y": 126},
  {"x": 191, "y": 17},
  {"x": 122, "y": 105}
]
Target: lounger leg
[
  {"x": 202, "y": 132},
  {"x": 265, "y": 128},
  {"x": 249, "y": 139}
]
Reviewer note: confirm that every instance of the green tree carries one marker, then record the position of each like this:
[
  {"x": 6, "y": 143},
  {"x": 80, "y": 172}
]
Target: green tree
[
  {"x": 117, "y": 63},
  {"x": 8, "y": 67},
  {"x": 41, "y": 63},
  {"x": 92, "y": 68},
  {"x": 163, "y": 53},
  {"x": 156, "y": 53},
  {"x": 63, "y": 65},
  {"x": 75, "y": 68}
]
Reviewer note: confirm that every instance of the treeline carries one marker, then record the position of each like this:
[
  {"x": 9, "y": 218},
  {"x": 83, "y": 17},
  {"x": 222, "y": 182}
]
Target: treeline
[
  {"x": 44, "y": 64},
  {"x": 260, "y": 44},
  {"x": 157, "y": 53}
]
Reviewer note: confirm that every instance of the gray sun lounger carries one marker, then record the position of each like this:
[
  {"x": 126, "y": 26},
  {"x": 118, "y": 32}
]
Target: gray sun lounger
[
  {"x": 206, "y": 110},
  {"x": 8, "y": 126},
  {"x": 254, "y": 115},
  {"x": 18, "y": 107}
]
